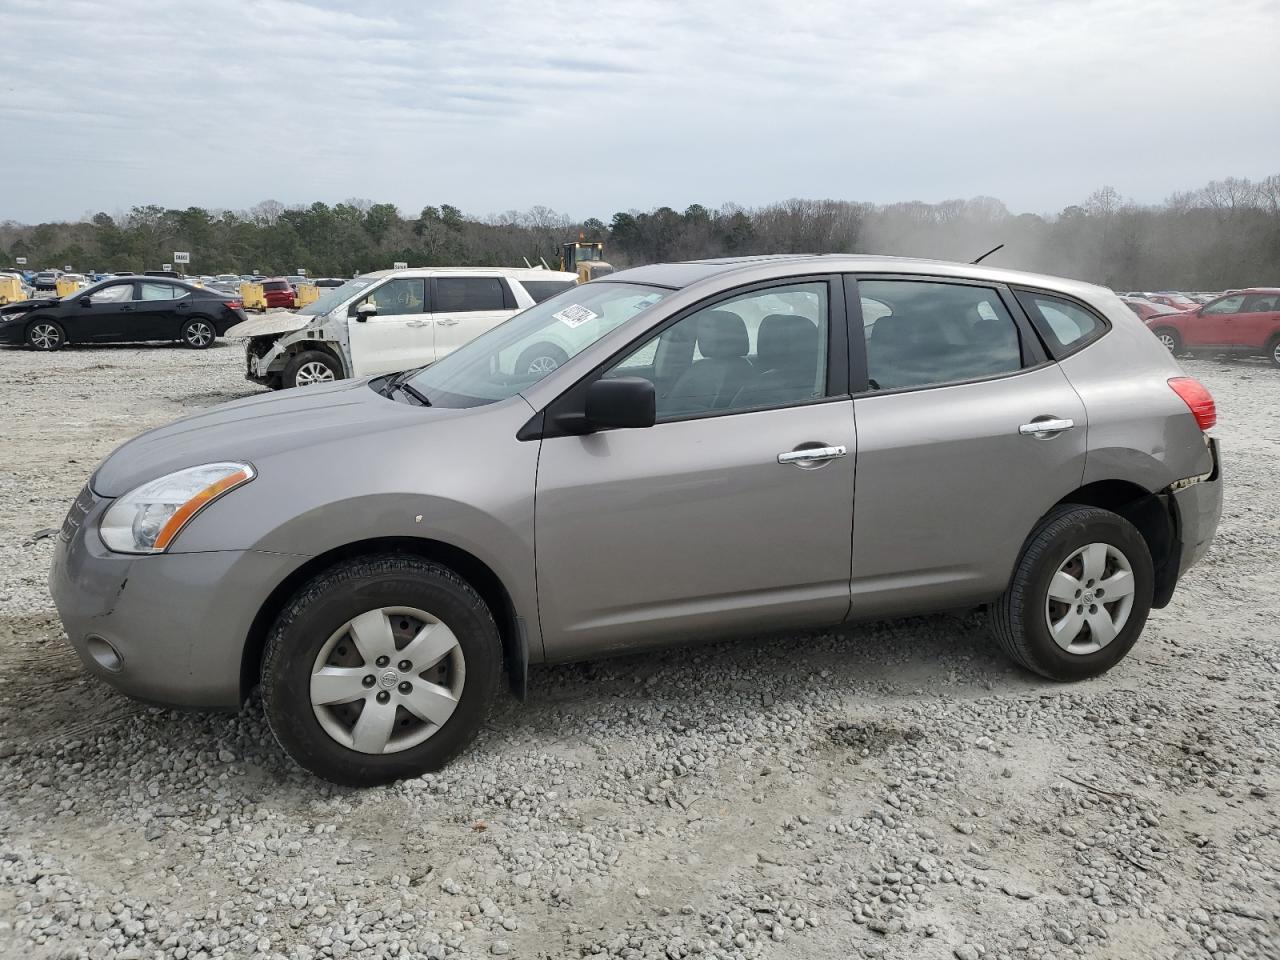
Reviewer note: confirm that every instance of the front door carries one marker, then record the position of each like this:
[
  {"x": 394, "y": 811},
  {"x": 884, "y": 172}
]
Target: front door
[
  {"x": 952, "y": 472},
  {"x": 101, "y": 314},
  {"x": 397, "y": 336},
  {"x": 465, "y": 307},
  {"x": 732, "y": 514},
  {"x": 1215, "y": 323}
]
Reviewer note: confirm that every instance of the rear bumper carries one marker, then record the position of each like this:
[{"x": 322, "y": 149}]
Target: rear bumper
[{"x": 1197, "y": 505}]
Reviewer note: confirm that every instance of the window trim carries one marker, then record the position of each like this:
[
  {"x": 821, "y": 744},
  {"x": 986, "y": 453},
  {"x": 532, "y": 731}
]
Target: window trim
[
  {"x": 1033, "y": 352},
  {"x": 542, "y": 425},
  {"x": 435, "y": 299},
  {"x": 1051, "y": 348}
]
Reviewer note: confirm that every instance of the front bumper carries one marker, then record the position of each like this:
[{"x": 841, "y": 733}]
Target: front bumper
[{"x": 178, "y": 621}]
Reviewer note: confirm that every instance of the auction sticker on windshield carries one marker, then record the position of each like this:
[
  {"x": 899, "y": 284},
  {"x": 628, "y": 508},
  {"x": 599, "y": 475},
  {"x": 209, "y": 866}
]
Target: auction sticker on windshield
[{"x": 574, "y": 315}]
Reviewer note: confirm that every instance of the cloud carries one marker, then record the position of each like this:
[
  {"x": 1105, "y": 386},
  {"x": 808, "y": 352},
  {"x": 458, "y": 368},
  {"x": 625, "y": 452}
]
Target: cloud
[{"x": 498, "y": 104}]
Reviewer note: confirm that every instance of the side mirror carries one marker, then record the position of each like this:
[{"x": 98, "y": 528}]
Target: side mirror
[
  {"x": 86, "y": 301},
  {"x": 621, "y": 402},
  {"x": 366, "y": 310}
]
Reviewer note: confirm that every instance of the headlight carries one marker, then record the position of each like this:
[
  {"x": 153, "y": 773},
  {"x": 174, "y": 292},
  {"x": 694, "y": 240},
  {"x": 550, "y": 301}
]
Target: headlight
[
  {"x": 13, "y": 316},
  {"x": 148, "y": 518}
]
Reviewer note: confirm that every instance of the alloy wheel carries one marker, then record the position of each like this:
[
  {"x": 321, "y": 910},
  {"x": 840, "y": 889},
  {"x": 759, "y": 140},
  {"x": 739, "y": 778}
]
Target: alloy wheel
[
  {"x": 387, "y": 680},
  {"x": 1090, "y": 598},
  {"x": 542, "y": 364},
  {"x": 1169, "y": 342},
  {"x": 313, "y": 372},
  {"x": 199, "y": 334},
  {"x": 45, "y": 336}
]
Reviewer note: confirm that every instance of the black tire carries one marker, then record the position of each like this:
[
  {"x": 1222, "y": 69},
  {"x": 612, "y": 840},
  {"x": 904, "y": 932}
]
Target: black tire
[
  {"x": 1171, "y": 339},
  {"x": 541, "y": 358},
  {"x": 1273, "y": 350},
  {"x": 311, "y": 360},
  {"x": 336, "y": 596},
  {"x": 46, "y": 335},
  {"x": 198, "y": 333},
  {"x": 1018, "y": 618}
]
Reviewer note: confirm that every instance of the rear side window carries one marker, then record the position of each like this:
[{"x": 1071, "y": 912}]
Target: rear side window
[
  {"x": 935, "y": 333},
  {"x": 1064, "y": 326},
  {"x": 1261, "y": 303},
  {"x": 468, "y": 294},
  {"x": 159, "y": 291},
  {"x": 545, "y": 289}
]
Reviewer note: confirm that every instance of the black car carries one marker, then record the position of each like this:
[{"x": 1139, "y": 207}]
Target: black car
[{"x": 122, "y": 310}]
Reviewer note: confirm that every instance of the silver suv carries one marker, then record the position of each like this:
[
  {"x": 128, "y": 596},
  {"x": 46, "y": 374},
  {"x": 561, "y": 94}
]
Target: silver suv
[{"x": 729, "y": 447}]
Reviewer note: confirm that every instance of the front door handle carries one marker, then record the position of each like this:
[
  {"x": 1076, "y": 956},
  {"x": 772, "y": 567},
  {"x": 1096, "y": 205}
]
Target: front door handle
[
  {"x": 810, "y": 455},
  {"x": 1045, "y": 427},
  {"x": 447, "y": 322}
]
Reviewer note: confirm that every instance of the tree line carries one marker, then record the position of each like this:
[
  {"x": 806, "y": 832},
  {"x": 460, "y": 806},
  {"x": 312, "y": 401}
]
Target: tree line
[{"x": 1225, "y": 234}]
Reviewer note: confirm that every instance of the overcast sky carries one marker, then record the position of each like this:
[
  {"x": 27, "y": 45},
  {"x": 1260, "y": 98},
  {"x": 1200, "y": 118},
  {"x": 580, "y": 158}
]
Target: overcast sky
[{"x": 593, "y": 107}]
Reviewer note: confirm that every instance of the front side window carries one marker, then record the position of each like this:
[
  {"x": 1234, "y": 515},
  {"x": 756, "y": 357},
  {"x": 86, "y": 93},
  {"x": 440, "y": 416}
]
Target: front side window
[
  {"x": 116, "y": 293},
  {"x": 159, "y": 291},
  {"x": 468, "y": 294},
  {"x": 938, "y": 333},
  {"x": 762, "y": 349},
  {"x": 1063, "y": 325},
  {"x": 1226, "y": 305},
  {"x": 495, "y": 365},
  {"x": 399, "y": 295}
]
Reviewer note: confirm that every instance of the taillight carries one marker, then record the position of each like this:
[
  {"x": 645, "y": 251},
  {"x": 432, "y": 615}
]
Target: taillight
[
  {"x": 1198, "y": 400},
  {"x": 234, "y": 304}
]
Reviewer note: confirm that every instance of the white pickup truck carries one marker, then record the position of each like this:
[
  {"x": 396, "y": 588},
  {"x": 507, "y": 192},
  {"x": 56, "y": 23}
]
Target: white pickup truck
[{"x": 394, "y": 320}]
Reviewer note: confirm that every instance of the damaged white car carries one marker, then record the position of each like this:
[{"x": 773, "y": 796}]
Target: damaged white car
[{"x": 395, "y": 320}]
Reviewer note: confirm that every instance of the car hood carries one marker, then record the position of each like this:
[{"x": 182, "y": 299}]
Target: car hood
[
  {"x": 257, "y": 428},
  {"x": 22, "y": 306},
  {"x": 271, "y": 323}
]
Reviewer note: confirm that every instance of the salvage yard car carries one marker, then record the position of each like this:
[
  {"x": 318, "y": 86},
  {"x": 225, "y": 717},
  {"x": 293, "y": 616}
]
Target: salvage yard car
[
  {"x": 122, "y": 310},
  {"x": 1245, "y": 322},
  {"x": 393, "y": 320},
  {"x": 374, "y": 553}
]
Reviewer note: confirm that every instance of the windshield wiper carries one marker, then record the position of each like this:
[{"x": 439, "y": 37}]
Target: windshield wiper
[{"x": 414, "y": 392}]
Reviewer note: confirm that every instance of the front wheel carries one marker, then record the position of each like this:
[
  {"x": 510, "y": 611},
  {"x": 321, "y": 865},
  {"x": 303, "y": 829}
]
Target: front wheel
[
  {"x": 380, "y": 668},
  {"x": 1079, "y": 596},
  {"x": 1170, "y": 338},
  {"x": 198, "y": 333},
  {"x": 541, "y": 359},
  {"x": 311, "y": 367},
  {"x": 46, "y": 335},
  {"x": 1273, "y": 351}
]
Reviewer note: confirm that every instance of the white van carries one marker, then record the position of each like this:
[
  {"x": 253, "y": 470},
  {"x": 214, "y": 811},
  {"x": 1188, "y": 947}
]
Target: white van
[{"x": 394, "y": 320}]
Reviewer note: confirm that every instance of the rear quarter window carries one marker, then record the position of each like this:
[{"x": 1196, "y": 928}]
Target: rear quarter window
[{"x": 1064, "y": 325}]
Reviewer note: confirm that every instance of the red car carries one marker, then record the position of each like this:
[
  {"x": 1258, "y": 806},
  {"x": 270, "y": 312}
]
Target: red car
[
  {"x": 1176, "y": 300},
  {"x": 1247, "y": 321},
  {"x": 1145, "y": 309},
  {"x": 278, "y": 293}
]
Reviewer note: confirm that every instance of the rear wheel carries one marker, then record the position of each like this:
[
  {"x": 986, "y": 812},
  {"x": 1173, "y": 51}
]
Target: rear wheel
[
  {"x": 198, "y": 333},
  {"x": 1170, "y": 338},
  {"x": 46, "y": 335},
  {"x": 311, "y": 367},
  {"x": 380, "y": 668},
  {"x": 541, "y": 359},
  {"x": 1079, "y": 596}
]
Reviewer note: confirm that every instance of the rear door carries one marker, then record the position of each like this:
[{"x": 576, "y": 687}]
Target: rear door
[
  {"x": 397, "y": 337},
  {"x": 466, "y": 306},
  {"x": 154, "y": 315},
  {"x": 1257, "y": 321},
  {"x": 952, "y": 472}
]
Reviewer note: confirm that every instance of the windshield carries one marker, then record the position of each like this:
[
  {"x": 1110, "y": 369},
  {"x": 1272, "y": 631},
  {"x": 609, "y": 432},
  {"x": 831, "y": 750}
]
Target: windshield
[
  {"x": 517, "y": 354},
  {"x": 334, "y": 296}
]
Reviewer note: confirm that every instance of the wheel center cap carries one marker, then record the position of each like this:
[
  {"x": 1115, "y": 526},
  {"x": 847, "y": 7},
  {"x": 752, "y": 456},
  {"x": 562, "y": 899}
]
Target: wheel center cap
[
  {"x": 389, "y": 679},
  {"x": 1088, "y": 597}
]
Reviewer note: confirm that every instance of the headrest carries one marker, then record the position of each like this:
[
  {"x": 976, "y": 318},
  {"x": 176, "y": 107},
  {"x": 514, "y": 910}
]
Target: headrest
[
  {"x": 722, "y": 334},
  {"x": 786, "y": 340}
]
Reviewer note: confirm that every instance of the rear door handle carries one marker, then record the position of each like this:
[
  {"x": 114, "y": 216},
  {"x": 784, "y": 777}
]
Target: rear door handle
[
  {"x": 1046, "y": 427},
  {"x": 808, "y": 455},
  {"x": 447, "y": 322},
  {"x": 416, "y": 323}
]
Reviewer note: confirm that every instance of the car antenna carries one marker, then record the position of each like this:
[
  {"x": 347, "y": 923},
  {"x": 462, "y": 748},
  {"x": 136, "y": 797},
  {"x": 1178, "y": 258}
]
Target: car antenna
[{"x": 989, "y": 253}]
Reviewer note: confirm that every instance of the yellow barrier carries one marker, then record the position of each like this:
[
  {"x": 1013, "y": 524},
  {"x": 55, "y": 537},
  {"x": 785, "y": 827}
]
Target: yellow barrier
[
  {"x": 11, "y": 290},
  {"x": 307, "y": 293},
  {"x": 252, "y": 296},
  {"x": 66, "y": 288}
]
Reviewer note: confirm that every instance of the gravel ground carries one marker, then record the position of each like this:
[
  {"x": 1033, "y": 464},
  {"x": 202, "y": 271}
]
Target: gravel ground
[{"x": 894, "y": 790}]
